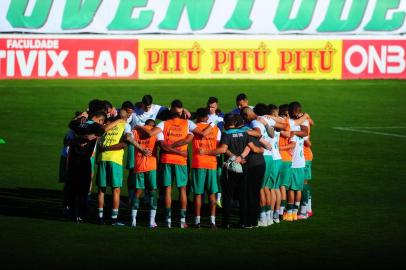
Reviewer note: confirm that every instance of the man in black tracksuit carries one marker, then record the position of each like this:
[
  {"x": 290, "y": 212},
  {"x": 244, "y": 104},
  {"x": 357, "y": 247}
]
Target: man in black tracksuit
[
  {"x": 79, "y": 164},
  {"x": 235, "y": 142}
]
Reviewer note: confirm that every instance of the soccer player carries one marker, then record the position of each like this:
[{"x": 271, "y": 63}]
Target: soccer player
[
  {"x": 146, "y": 111},
  {"x": 174, "y": 135},
  {"x": 275, "y": 167},
  {"x": 305, "y": 205},
  {"x": 286, "y": 146},
  {"x": 298, "y": 167},
  {"x": 265, "y": 127},
  {"x": 110, "y": 167},
  {"x": 307, "y": 198},
  {"x": 216, "y": 117},
  {"x": 241, "y": 101},
  {"x": 145, "y": 174},
  {"x": 204, "y": 167},
  {"x": 110, "y": 110}
]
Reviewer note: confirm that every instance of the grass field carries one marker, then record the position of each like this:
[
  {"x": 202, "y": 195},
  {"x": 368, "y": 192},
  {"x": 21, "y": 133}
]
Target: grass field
[{"x": 359, "y": 179}]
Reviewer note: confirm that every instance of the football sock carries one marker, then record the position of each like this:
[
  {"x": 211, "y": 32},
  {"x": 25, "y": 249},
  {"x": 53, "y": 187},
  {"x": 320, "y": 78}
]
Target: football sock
[
  {"x": 101, "y": 213},
  {"x": 152, "y": 217},
  {"x": 309, "y": 205},
  {"x": 305, "y": 194},
  {"x": 135, "y": 203},
  {"x": 153, "y": 200},
  {"x": 289, "y": 208},
  {"x": 296, "y": 207},
  {"x": 213, "y": 219},
  {"x": 114, "y": 214},
  {"x": 282, "y": 209},
  {"x": 303, "y": 209},
  {"x": 168, "y": 213},
  {"x": 183, "y": 215},
  {"x": 197, "y": 220},
  {"x": 263, "y": 213}
]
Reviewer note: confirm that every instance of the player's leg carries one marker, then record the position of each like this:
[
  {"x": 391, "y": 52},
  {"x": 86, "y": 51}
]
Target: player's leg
[
  {"x": 297, "y": 186},
  {"x": 198, "y": 205},
  {"x": 115, "y": 177},
  {"x": 151, "y": 177},
  {"x": 131, "y": 185},
  {"x": 255, "y": 181},
  {"x": 219, "y": 172},
  {"x": 267, "y": 184},
  {"x": 197, "y": 188},
  {"x": 270, "y": 202},
  {"x": 83, "y": 188},
  {"x": 181, "y": 176},
  {"x": 277, "y": 204},
  {"x": 289, "y": 208},
  {"x": 135, "y": 205},
  {"x": 275, "y": 189},
  {"x": 101, "y": 182},
  {"x": 298, "y": 197},
  {"x": 166, "y": 179},
  {"x": 262, "y": 219},
  {"x": 307, "y": 188},
  {"x": 115, "y": 207},
  {"x": 212, "y": 190},
  {"x": 228, "y": 187},
  {"x": 286, "y": 180},
  {"x": 138, "y": 187}
]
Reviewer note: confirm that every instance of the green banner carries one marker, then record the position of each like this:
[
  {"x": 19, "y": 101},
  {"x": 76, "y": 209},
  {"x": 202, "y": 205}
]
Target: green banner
[{"x": 204, "y": 16}]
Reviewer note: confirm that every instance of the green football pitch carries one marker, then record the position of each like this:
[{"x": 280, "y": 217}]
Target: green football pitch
[{"x": 359, "y": 171}]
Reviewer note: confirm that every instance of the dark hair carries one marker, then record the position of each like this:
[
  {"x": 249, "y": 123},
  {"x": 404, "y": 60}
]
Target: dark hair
[
  {"x": 240, "y": 97},
  {"x": 150, "y": 122},
  {"x": 201, "y": 113},
  {"x": 229, "y": 120},
  {"x": 239, "y": 121},
  {"x": 108, "y": 104},
  {"x": 272, "y": 108},
  {"x": 96, "y": 105},
  {"x": 177, "y": 104},
  {"x": 127, "y": 105},
  {"x": 293, "y": 107},
  {"x": 98, "y": 114},
  {"x": 147, "y": 100},
  {"x": 172, "y": 115},
  {"x": 283, "y": 109},
  {"x": 261, "y": 109},
  {"x": 212, "y": 100}
]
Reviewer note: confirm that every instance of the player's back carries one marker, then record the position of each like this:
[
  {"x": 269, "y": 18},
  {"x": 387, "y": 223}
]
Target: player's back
[
  {"x": 208, "y": 143},
  {"x": 145, "y": 163}
]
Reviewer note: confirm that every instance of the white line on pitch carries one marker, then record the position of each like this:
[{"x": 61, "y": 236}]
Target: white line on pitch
[
  {"x": 374, "y": 127},
  {"x": 369, "y": 132}
]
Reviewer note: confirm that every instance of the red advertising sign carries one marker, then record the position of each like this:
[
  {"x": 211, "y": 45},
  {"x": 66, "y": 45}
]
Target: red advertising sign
[
  {"x": 374, "y": 59},
  {"x": 51, "y": 58}
]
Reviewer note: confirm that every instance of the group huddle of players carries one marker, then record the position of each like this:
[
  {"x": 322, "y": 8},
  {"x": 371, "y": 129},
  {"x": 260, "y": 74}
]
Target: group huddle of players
[{"x": 257, "y": 159}]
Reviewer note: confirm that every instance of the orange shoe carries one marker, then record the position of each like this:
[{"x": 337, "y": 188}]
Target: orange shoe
[
  {"x": 289, "y": 217},
  {"x": 294, "y": 216}
]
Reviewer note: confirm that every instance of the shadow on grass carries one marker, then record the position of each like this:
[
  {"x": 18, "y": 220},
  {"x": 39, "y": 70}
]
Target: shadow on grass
[{"x": 47, "y": 204}]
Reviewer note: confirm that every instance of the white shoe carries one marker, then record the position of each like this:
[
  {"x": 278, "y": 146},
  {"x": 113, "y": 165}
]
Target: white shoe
[
  {"x": 262, "y": 223},
  {"x": 183, "y": 225},
  {"x": 276, "y": 220},
  {"x": 153, "y": 225},
  {"x": 133, "y": 223},
  {"x": 270, "y": 222},
  {"x": 169, "y": 223}
]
